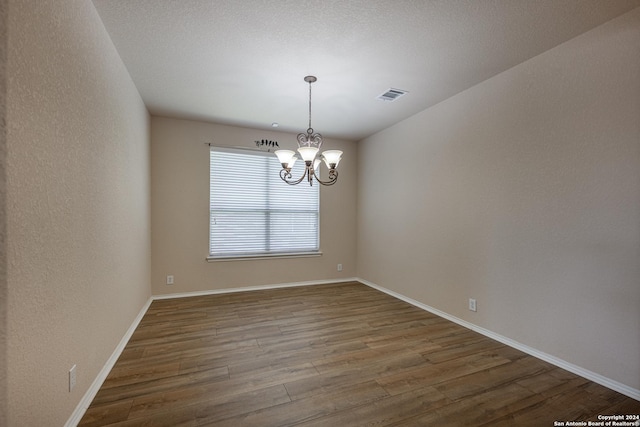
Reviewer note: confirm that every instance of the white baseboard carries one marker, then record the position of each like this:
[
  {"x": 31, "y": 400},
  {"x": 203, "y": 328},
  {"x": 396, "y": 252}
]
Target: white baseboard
[
  {"x": 585, "y": 373},
  {"x": 82, "y": 407},
  {"x": 252, "y": 288}
]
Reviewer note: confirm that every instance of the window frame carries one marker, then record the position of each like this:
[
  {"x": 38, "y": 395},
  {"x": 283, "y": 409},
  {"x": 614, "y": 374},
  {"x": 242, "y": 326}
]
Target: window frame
[{"x": 274, "y": 178}]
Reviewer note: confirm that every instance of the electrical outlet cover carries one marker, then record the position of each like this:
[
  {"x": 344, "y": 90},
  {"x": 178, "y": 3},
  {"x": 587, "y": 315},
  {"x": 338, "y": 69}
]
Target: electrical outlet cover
[{"x": 72, "y": 377}]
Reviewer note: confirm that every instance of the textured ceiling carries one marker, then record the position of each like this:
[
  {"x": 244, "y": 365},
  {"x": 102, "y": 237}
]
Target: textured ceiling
[{"x": 242, "y": 62}]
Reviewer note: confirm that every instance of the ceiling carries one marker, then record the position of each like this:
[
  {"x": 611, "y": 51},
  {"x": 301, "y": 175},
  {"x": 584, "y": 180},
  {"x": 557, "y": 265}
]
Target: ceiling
[{"x": 242, "y": 62}]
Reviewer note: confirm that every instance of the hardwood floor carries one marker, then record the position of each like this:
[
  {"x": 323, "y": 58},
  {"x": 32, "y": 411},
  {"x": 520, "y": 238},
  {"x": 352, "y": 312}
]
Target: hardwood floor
[{"x": 331, "y": 355}]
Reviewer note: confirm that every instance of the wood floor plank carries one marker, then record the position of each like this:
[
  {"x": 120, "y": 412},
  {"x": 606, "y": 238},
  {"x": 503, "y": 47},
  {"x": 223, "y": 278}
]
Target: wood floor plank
[
  {"x": 336, "y": 379},
  {"x": 250, "y": 401},
  {"x": 480, "y": 409},
  {"x": 384, "y": 412},
  {"x": 99, "y": 415},
  {"x": 126, "y": 375},
  {"x": 364, "y": 360},
  {"x": 488, "y": 379},
  {"x": 340, "y": 354},
  {"x": 180, "y": 417},
  {"x": 130, "y": 391},
  {"x": 310, "y": 408},
  {"x": 434, "y": 374}
]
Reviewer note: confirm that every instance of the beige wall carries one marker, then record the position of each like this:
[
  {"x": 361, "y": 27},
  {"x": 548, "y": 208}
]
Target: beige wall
[
  {"x": 180, "y": 213},
  {"x": 3, "y": 218},
  {"x": 524, "y": 193},
  {"x": 77, "y": 205}
]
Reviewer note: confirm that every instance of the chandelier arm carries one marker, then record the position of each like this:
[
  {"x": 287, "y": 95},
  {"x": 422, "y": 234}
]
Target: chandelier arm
[
  {"x": 285, "y": 175},
  {"x": 333, "y": 177}
]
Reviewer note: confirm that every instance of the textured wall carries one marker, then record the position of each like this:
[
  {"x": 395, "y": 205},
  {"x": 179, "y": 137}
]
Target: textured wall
[
  {"x": 180, "y": 213},
  {"x": 77, "y": 205},
  {"x": 524, "y": 193},
  {"x": 3, "y": 218}
]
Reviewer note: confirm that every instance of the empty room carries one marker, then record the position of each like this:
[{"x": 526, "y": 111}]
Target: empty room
[{"x": 305, "y": 213}]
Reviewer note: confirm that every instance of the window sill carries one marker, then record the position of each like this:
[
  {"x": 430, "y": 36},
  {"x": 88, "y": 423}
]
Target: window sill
[{"x": 263, "y": 256}]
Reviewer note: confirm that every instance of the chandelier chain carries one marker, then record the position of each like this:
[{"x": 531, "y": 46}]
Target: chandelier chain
[{"x": 310, "y": 128}]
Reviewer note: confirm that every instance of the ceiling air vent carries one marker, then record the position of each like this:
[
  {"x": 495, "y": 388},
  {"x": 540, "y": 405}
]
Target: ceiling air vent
[{"x": 392, "y": 94}]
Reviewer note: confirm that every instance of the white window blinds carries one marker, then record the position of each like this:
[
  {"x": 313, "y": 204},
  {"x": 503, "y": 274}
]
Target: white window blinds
[{"x": 253, "y": 212}]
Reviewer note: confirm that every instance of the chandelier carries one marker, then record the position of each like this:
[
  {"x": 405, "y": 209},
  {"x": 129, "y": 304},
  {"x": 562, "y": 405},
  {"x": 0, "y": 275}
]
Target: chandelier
[{"x": 308, "y": 146}]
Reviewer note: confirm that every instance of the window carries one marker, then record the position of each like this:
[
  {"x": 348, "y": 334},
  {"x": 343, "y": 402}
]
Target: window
[{"x": 254, "y": 213}]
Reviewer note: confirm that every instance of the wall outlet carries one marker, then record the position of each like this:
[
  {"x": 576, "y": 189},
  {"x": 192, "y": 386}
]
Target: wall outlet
[
  {"x": 72, "y": 377},
  {"x": 170, "y": 280},
  {"x": 339, "y": 267},
  {"x": 472, "y": 304}
]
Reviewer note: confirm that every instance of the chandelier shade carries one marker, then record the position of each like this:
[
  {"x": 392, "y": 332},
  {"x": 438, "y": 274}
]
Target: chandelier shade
[
  {"x": 285, "y": 156},
  {"x": 309, "y": 145},
  {"x": 332, "y": 158},
  {"x": 308, "y": 154}
]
